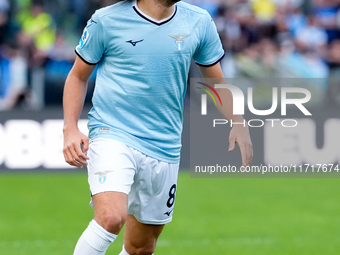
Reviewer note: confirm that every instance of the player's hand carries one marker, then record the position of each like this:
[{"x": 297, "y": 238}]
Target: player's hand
[
  {"x": 73, "y": 153},
  {"x": 240, "y": 135}
]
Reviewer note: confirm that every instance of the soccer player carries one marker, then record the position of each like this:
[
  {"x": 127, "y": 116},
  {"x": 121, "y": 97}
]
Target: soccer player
[{"x": 143, "y": 50}]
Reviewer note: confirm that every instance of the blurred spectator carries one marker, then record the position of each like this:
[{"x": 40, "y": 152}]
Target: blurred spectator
[
  {"x": 263, "y": 60},
  {"x": 334, "y": 59},
  {"x": 14, "y": 82},
  {"x": 333, "y": 97},
  {"x": 264, "y": 9},
  {"x": 210, "y": 6},
  {"x": 61, "y": 50},
  {"x": 326, "y": 11},
  {"x": 39, "y": 25},
  {"x": 307, "y": 65},
  {"x": 289, "y": 3},
  {"x": 295, "y": 20},
  {"x": 312, "y": 37},
  {"x": 4, "y": 16}
]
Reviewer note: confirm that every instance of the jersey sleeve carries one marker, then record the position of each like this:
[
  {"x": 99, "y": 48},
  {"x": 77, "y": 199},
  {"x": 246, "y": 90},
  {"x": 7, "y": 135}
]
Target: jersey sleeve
[
  {"x": 210, "y": 50},
  {"x": 91, "y": 45}
]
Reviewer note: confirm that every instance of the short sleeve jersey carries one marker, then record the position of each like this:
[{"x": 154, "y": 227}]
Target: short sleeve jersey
[{"x": 142, "y": 73}]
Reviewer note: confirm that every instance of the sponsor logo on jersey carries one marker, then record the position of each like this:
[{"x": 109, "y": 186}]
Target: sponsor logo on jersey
[
  {"x": 102, "y": 176},
  {"x": 179, "y": 41},
  {"x": 83, "y": 38},
  {"x": 104, "y": 130},
  {"x": 135, "y": 43}
]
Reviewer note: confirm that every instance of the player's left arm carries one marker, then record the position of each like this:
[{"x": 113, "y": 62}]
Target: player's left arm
[{"x": 239, "y": 133}]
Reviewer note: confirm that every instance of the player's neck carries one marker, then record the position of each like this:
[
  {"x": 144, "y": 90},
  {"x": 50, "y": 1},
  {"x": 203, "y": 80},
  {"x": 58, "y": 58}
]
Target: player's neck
[{"x": 156, "y": 8}]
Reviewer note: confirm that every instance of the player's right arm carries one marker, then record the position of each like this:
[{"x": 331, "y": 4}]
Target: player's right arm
[{"x": 73, "y": 101}]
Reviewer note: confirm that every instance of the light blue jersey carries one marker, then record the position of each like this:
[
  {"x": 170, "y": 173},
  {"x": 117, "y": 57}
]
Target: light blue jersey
[{"x": 143, "y": 67}]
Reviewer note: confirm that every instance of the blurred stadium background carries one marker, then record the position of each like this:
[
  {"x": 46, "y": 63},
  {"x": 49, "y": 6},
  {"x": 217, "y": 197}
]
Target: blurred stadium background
[{"x": 44, "y": 204}]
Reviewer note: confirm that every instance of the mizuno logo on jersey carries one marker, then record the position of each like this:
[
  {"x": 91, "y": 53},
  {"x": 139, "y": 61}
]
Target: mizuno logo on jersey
[
  {"x": 134, "y": 43},
  {"x": 169, "y": 212},
  {"x": 91, "y": 22},
  {"x": 179, "y": 41}
]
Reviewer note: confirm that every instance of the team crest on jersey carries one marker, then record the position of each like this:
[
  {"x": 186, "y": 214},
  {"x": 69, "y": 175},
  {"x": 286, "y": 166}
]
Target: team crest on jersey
[
  {"x": 179, "y": 41},
  {"x": 102, "y": 176},
  {"x": 83, "y": 38}
]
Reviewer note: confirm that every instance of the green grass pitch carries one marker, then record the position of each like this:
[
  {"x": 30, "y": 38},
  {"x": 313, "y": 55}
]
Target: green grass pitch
[{"x": 46, "y": 213}]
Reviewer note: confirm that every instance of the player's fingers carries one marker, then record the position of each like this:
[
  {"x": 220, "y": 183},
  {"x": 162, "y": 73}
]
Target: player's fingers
[
  {"x": 75, "y": 158},
  {"x": 244, "y": 155},
  {"x": 74, "y": 161},
  {"x": 85, "y": 142},
  {"x": 249, "y": 153},
  {"x": 69, "y": 158},
  {"x": 231, "y": 143},
  {"x": 80, "y": 156}
]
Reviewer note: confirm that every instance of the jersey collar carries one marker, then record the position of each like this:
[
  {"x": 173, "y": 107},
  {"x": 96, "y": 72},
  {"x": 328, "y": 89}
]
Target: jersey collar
[{"x": 150, "y": 19}]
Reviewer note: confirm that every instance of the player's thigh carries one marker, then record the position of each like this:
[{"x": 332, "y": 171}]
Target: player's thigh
[
  {"x": 110, "y": 210},
  {"x": 140, "y": 238},
  {"x": 111, "y": 172}
]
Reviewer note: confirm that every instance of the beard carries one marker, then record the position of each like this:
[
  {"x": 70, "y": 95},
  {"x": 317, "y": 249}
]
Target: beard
[{"x": 168, "y": 3}]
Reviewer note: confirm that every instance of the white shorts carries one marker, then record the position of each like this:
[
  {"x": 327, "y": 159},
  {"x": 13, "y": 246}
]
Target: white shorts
[{"x": 149, "y": 183}]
